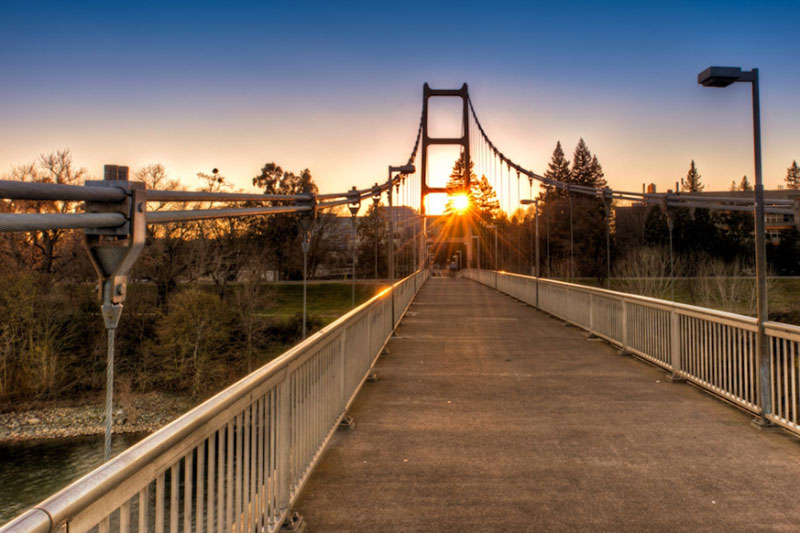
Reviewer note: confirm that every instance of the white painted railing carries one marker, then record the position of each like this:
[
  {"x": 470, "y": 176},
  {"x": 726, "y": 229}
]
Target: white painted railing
[
  {"x": 714, "y": 349},
  {"x": 238, "y": 461}
]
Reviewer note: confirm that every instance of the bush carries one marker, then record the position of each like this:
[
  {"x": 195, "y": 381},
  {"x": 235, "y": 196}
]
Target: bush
[
  {"x": 194, "y": 339},
  {"x": 45, "y": 332}
]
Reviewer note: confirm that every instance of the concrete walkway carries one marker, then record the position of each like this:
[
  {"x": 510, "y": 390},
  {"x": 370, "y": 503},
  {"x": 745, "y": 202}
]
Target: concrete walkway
[{"x": 491, "y": 416}]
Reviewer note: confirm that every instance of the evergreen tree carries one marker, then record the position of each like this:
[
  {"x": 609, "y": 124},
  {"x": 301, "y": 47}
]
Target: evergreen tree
[
  {"x": 598, "y": 176},
  {"x": 482, "y": 198},
  {"x": 558, "y": 168},
  {"x": 744, "y": 185},
  {"x": 486, "y": 203},
  {"x": 691, "y": 183},
  {"x": 582, "y": 170},
  {"x": 793, "y": 176}
]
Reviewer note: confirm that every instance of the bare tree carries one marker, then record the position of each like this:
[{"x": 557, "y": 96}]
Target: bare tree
[
  {"x": 646, "y": 271},
  {"x": 56, "y": 167}
]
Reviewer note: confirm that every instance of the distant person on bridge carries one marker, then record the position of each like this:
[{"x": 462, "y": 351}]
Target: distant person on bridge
[{"x": 452, "y": 269}]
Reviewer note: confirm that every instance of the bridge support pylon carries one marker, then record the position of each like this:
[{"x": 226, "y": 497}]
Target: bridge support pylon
[{"x": 463, "y": 142}]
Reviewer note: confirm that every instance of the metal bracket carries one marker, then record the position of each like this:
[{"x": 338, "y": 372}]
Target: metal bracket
[
  {"x": 354, "y": 203},
  {"x": 347, "y": 422},
  {"x": 294, "y": 523},
  {"x": 113, "y": 251}
]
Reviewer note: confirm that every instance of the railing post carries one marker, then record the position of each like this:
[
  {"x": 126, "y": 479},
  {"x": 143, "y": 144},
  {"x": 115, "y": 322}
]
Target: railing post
[
  {"x": 343, "y": 371},
  {"x": 591, "y": 314},
  {"x": 675, "y": 346},
  {"x": 284, "y": 445},
  {"x": 624, "y": 327}
]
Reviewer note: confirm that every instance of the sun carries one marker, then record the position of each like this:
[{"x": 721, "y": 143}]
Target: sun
[{"x": 460, "y": 202}]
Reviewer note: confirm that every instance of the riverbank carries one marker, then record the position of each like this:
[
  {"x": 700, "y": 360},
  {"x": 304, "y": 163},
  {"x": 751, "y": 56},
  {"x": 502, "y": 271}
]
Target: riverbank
[{"x": 143, "y": 413}]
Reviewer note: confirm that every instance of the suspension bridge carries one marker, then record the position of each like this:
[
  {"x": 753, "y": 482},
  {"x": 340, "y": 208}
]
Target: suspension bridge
[{"x": 471, "y": 402}]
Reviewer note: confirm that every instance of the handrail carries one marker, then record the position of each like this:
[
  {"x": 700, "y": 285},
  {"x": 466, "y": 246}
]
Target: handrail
[
  {"x": 663, "y": 304},
  {"x": 276, "y": 416}
]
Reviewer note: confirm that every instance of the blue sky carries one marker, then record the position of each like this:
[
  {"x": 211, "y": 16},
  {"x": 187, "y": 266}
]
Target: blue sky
[{"x": 337, "y": 87}]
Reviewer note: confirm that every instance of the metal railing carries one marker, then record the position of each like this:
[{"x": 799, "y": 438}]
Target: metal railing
[
  {"x": 713, "y": 349},
  {"x": 238, "y": 461}
]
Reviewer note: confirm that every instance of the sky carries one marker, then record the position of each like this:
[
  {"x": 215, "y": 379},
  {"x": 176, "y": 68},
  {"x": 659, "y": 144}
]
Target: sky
[{"x": 336, "y": 87}]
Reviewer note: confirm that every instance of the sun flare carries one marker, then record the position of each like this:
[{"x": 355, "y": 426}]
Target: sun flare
[{"x": 460, "y": 202}]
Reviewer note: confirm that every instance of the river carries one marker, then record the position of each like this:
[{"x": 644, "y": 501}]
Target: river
[{"x": 32, "y": 471}]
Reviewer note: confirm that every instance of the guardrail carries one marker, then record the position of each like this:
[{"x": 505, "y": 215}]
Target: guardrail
[
  {"x": 713, "y": 349},
  {"x": 238, "y": 461}
]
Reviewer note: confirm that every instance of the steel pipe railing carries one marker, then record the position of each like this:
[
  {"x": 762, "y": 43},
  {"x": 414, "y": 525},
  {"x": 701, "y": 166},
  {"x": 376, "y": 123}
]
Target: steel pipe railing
[
  {"x": 713, "y": 349},
  {"x": 199, "y": 196},
  {"x": 49, "y": 221},
  {"x": 163, "y": 217},
  {"x": 22, "y": 190},
  {"x": 239, "y": 461}
]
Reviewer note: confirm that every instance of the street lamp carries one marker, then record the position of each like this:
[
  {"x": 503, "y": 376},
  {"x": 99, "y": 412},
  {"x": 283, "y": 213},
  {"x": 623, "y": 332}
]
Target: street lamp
[
  {"x": 494, "y": 227},
  {"x": 376, "y": 198},
  {"x": 722, "y": 77},
  {"x": 535, "y": 204},
  {"x": 354, "y": 205},
  {"x": 477, "y": 239},
  {"x": 403, "y": 169}
]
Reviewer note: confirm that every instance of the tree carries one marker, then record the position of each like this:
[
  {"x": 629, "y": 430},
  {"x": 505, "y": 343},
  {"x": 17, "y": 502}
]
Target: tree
[
  {"x": 691, "y": 183},
  {"x": 55, "y": 167},
  {"x": 486, "y": 203},
  {"x": 482, "y": 198},
  {"x": 744, "y": 185},
  {"x": 169, "y": 254},
  {"x": 586, "y": 170},
  {"x": 372, "y": 238},
  {"x": 793, "y": 176},
  {"x": 281, "y": 233},
  {"x": 557, "y": 169},
  {"x": 598, "y": 176}
]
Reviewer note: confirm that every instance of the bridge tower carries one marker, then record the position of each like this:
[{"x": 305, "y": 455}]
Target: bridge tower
[{"x": 463, "y": 141}]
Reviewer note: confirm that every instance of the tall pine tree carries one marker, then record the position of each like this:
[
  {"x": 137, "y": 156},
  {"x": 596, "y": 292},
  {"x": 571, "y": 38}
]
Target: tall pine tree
[
  {"x": 558, "y": 168},
  {"x": 691, "y": 183},
  {"x": 598, "y": 176},
  {"x": 482, "y": 198},
  {"x": 582, "y": 171},
  {"x": 744, "y": 185},
  {"x": 793, "y": 176}
]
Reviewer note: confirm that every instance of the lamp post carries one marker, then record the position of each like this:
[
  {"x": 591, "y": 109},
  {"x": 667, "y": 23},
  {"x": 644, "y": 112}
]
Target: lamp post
[
  {"x": 404, "y": 169},
  {"x": 376, "y": 198},
  {"x": 535, "y": 204},
  {"x": 494, "y": 227},
  {"x": 722, "y": 77},
  {"x": 477, "y": 239},
  {"x": 354, "y": 205},
  {"x": 305, "y": 227}
]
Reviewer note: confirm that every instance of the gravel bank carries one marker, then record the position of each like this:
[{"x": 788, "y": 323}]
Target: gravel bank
[{"x": 143, "y": 413}]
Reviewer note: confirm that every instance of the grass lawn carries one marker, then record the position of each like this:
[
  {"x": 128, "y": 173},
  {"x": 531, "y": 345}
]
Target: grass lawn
[{"x": 327, "y": 301}]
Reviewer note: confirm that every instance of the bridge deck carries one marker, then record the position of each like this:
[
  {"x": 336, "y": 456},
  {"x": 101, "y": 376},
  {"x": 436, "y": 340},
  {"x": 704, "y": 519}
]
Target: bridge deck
[{"x": 490, "y": 415}]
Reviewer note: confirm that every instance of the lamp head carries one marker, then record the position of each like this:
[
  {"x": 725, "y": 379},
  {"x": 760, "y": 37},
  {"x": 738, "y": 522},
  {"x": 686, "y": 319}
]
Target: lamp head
[{"x": 721, "y": 76}]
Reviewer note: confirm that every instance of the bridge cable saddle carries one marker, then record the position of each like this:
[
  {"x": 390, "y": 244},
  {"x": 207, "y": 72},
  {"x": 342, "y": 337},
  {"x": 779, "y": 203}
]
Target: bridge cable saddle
[{"x": 113, "y": 252}]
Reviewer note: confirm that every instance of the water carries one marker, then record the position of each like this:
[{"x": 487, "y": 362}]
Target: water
[{"x": 32, "y": 471}]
